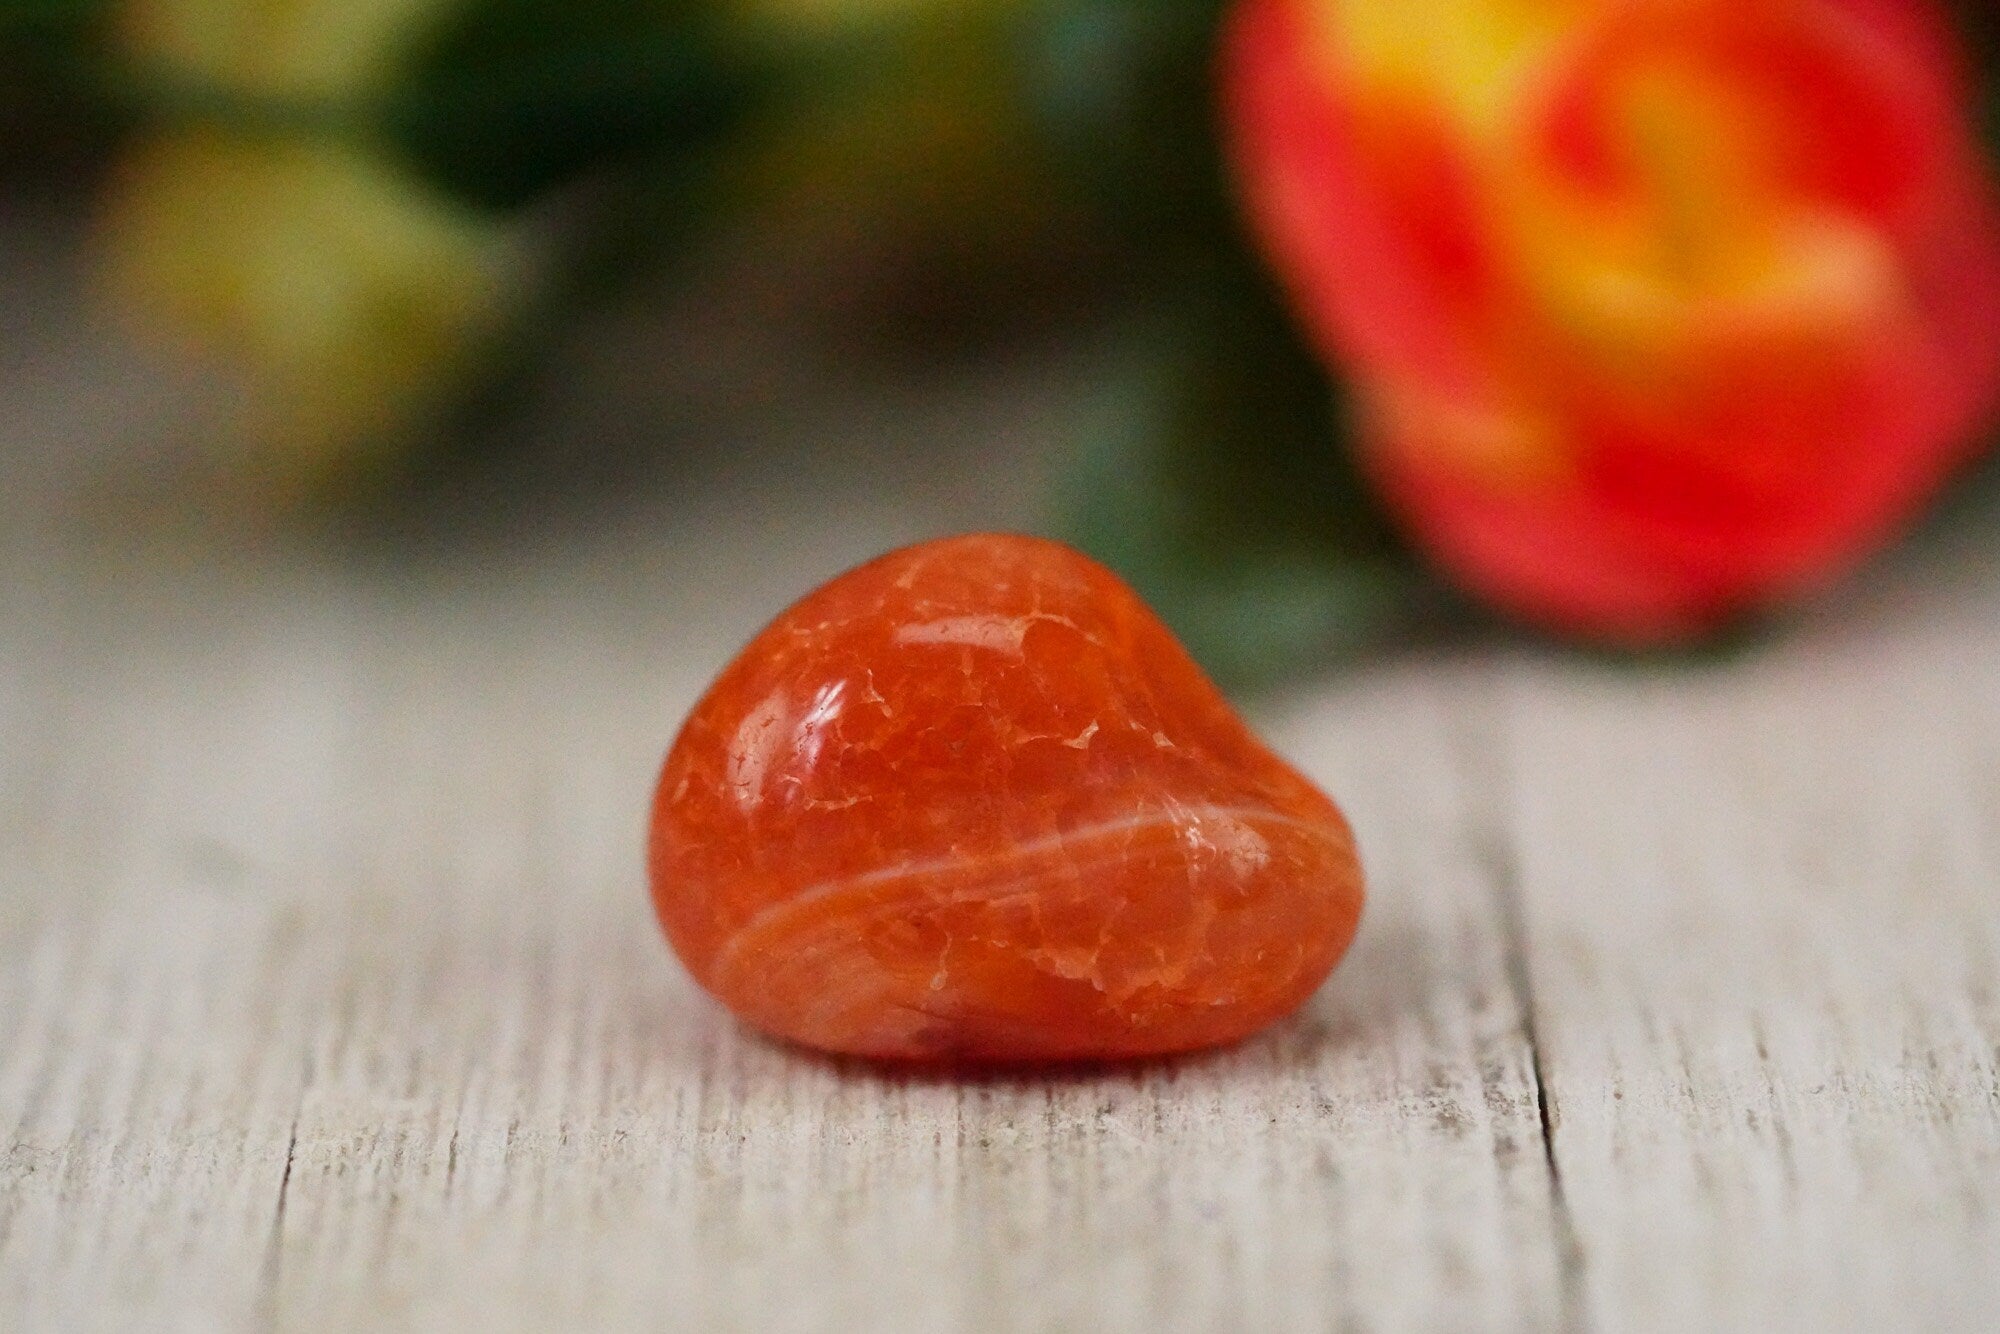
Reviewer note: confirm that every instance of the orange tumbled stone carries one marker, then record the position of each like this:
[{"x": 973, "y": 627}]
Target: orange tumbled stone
[{"x": 972, "y": 801}]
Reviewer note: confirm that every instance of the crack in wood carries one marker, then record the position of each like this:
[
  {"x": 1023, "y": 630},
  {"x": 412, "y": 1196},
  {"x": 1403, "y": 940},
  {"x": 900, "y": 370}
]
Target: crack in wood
[
  {"x": 1743, "y": 916},
  {"x": 1481, "y": 751},
  {"x": 274, "y": 1250},
  {"x": 1503, "y": 873}
]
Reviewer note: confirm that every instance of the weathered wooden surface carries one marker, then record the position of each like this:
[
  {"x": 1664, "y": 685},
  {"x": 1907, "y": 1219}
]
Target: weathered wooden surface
[{"x": 330, "y": 997}]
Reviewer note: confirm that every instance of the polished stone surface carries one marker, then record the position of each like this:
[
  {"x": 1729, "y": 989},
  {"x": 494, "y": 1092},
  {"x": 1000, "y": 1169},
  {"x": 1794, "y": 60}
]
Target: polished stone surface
[{"x": 972, "y": 801}]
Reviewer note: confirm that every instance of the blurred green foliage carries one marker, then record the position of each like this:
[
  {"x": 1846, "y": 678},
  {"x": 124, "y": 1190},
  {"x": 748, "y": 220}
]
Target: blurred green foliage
[
  {"x": 1213, "y": 471},
  {"x": 49, "y": 108},
  {"x": 1214, "y": 475},
  {"x": 1211, "y": 480},
  {"x": 511, "y": 99}
]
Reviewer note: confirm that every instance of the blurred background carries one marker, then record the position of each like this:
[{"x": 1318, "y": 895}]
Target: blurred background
[
  {"x": 1329, "y": 323},
  {"x": 1566, "y": 424}
]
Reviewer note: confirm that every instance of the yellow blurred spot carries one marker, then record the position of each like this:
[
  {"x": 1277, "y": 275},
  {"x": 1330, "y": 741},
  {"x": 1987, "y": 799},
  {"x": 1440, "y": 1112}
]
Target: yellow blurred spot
[
  {"x": 1504, "y": 443},
  {"x": 1687, "y": 247},
  {"x": 1704, "y": 243},
  {"x": 339, "y": 294},
  {"x": 296, "y": 48},
  {"x": 1471, "y": 57}
]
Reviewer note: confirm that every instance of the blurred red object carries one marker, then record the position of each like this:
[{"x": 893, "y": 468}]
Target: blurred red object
[{"x": 1657, "y": 311}]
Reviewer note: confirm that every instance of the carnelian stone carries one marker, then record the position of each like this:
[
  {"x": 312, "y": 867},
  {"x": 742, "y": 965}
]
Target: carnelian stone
[{"x": 972, "y": 801}]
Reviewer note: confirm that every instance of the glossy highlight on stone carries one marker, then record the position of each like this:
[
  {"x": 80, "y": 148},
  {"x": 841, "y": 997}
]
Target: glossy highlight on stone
[{"x": 973, "y": 802}]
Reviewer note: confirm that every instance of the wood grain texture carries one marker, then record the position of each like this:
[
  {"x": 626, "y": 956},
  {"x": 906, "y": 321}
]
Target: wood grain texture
[
  {"x": 330, "y": 996},
  {"x": 333, "y": 996},
  {"x": 1763, "y": 938}
]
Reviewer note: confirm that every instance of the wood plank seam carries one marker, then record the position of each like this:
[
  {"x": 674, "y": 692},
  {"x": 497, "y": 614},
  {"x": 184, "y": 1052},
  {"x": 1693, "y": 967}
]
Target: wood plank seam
[
  {"x": 274, "y": 1257},
  {"x": 1503, "y": 872},
  {"x": 1479, "y": 741}
]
